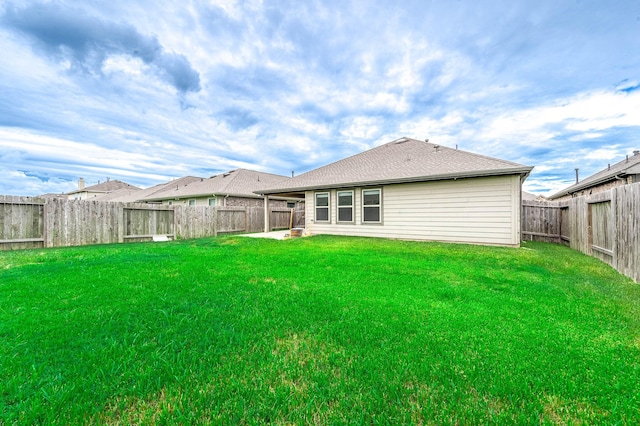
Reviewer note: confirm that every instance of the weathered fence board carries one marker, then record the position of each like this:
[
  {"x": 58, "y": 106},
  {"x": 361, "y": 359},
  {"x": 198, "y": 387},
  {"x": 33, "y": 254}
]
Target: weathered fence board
[
  {"x": 21, "y": 223},
  {"x": 143, "y": 223},
  {"x": 195, "y": 222},
  {"x": 627, "y": 235},
  {"x": 602, "y": 231},
  {"x": 543, "y": 221},
  {"x": 29, "y": 223},
  {"x": 605, "y": 225}
]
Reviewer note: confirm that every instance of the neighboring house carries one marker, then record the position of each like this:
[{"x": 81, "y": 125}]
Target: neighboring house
[
  {"x": 233, "y": 188},
  {"x": 625, "y": 172},
  {"x": 527, "y": 196},
  {"x": 100, "y": 189},
  {"x": 50, "y": 195},
  {"x": 410, "y": 189},
  {"x": 129, "y": 195}
]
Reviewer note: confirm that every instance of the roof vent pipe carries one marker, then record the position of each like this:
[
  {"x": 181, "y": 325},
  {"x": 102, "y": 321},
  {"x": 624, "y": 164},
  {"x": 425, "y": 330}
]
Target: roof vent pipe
[
  {"x": 577, "y": 179},
  {"x": 293, "y": 173}
]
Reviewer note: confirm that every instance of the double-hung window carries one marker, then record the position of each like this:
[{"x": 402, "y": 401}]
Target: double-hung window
[
  {"x": 371, "y": 203},
  {"x": 322, "y": 206},
  {"x": 345, "y": 206}
]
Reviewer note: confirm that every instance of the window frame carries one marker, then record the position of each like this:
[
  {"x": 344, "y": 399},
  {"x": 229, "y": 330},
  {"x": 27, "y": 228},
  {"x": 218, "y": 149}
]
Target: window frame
[
  {"x": 351, "y": 206},
  {"x": 191, "y": 202},
  {"x": 212, "y": 202},
  {"x": 378, "y": 206},
  {"x": 324, "y": 194}
]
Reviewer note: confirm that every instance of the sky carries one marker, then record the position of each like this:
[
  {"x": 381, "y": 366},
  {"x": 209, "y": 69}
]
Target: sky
[{"x": 151, "y": 90}]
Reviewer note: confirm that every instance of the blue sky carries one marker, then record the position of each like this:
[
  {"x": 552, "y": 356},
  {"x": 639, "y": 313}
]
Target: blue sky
[{"x": 148, "y": 91}]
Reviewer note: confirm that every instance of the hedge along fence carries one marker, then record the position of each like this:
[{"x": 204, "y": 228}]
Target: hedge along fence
[
  {"x": 27, "y": 222},
  {"x": 605, "y": 225}
]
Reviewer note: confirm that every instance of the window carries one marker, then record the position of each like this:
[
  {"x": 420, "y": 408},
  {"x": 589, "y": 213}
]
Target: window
[
  {"x": 371, "y": 200},
  {"x": 170, "y": 203},
  {"x": 345, "y": 206},
  {"x": 322, "y": 207},
  {"x": 212, "y": 201},
  {"x": 291, "y": 204},
  {"x": 192, "y": 202}
]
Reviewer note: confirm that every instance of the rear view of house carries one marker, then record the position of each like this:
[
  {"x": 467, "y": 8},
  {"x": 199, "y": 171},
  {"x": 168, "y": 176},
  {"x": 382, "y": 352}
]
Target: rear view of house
[{"x": 410, "y": 189}]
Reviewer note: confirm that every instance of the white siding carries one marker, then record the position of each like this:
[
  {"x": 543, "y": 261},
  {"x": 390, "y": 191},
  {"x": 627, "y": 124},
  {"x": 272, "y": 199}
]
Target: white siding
[{"x": 478, "y": 210}]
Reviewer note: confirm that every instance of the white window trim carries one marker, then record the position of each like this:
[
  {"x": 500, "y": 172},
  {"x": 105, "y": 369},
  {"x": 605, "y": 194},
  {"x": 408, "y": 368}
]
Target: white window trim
[
  {"x": 352, "y": 206},
  {"x": 379, "y": 206},
  {"x": 328, "y": 207}
]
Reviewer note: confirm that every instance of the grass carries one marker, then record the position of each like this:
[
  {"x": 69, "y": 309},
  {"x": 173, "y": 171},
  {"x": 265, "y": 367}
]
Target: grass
[{"x": 322, "y": 330}]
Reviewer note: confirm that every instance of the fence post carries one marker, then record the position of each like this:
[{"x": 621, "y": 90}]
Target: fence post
[
  {"x": 216, "y": 218},
  {"x": 121, "y": 223},
  {"x": 267, "y": 216}
]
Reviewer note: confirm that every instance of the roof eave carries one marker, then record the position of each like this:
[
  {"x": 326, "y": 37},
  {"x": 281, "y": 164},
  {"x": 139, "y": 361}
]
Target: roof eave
[
  {"x": 206, "y": 194},
  {"x": 523, "y": 171},
  {"x": 586, "y": 185}
]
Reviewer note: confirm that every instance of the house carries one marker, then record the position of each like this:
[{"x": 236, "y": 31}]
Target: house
[
  {"x": 90, "y": 192},
  {"x": 527, "y": 196},
  {"x": 410, "y": 189},
  {"x": 622, "y": 173},
  {"x": 233, "y": 188},
  {"x": 130, "y": 195}
]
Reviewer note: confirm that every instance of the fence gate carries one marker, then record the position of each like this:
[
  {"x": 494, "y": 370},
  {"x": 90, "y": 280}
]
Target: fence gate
[
  {"x": 143, "y": 224},
  {"x": 21, "y": 223},
  {"x": 601, "y": 230}
]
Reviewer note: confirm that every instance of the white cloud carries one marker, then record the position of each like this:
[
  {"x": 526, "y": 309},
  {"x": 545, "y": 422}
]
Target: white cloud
[{"x": 293, "y": 86}]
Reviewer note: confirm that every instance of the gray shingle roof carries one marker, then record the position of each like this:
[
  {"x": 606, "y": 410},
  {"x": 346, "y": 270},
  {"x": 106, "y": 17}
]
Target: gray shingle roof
[
  {"x": 402, "y": 160},
  {"x": 108, "y": 186},
  {"x": 238, "y": 183},
  {"x": 603, "y": 176},
  {"x": 129, "y": 195}
]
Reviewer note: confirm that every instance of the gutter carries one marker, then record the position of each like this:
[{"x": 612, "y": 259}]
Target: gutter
[
  {"x": 524, "y": 172},
  {"x": 582, "y": 186}
]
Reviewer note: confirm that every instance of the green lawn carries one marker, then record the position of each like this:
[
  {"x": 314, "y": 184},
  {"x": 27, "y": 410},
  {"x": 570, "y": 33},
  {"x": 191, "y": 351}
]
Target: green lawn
[{"x": 321, "y": 330}]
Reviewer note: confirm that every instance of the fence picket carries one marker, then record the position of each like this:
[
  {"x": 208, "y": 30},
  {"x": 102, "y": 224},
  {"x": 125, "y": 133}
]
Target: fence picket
[{"x": 605, "y": 225}]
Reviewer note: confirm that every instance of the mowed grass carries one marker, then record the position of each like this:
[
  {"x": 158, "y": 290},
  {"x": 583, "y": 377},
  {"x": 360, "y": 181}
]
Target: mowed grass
[{"x": 321, "y": 330}]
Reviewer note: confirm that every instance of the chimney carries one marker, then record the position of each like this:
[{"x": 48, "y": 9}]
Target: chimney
[
  {"x": 577, "y": 175},
  {"x": 80, "y": 184},
  {"x": 293, "y": 173}
]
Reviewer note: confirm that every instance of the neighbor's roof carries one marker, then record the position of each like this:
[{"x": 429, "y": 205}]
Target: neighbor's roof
[
  {"x": 129, "y": 195},
  {"x": 108, "y": 186},
  {"x": 400, "y": 161},
  {"x": 122, "y": 194},
  {"x": 628, "y": 166},
  {"x": 238, "y": 183}
]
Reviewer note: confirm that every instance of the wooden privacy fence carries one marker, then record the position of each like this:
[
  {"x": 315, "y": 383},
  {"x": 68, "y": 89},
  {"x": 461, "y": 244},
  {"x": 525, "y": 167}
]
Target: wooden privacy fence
[
  {"x": 604, "y": 225},
  {"x": 34, "y": 223}
]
